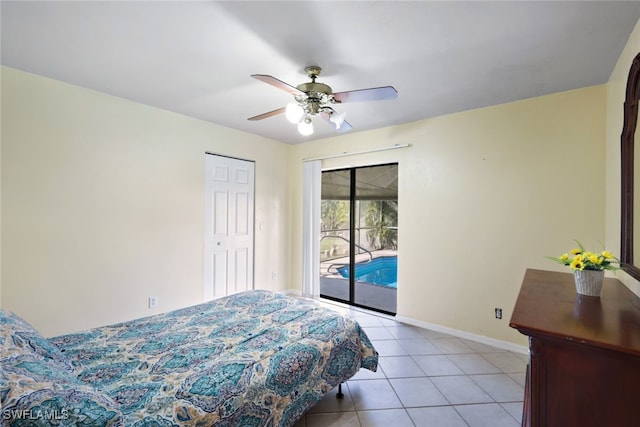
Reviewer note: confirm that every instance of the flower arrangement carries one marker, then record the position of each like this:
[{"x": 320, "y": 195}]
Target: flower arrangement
[{"x": 580, "y": 259}]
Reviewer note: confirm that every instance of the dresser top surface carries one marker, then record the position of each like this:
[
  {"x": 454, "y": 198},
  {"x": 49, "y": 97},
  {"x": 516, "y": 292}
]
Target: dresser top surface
[{"x": 548, "y": 305}]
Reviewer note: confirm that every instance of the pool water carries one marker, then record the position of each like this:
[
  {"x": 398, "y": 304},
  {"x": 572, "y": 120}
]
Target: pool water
[{"x": 380, "y": 271}]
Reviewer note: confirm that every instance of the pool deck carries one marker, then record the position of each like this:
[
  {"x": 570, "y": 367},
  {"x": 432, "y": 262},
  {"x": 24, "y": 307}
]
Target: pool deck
[{"x": 370, "y": 295}]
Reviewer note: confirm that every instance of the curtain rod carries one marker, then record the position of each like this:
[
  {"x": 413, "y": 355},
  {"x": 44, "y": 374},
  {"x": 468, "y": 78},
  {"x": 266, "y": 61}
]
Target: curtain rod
[{"x": 352, "y": 153}]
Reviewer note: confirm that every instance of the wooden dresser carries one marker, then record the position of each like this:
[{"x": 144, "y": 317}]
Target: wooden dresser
[{"x": 584, "y": 367}]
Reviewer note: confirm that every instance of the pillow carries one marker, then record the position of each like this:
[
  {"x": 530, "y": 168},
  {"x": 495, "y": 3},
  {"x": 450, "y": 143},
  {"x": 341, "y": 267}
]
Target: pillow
[
  {"x": 19, "y": 337},
  {"x": 37, "y": 386}
]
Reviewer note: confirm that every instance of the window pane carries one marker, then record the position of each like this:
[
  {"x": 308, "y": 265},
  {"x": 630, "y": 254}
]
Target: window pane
[
  {"x": 376, "y": 272},
  {"x": 334, "y": 240},
  {"x": 375, "y": 237}
]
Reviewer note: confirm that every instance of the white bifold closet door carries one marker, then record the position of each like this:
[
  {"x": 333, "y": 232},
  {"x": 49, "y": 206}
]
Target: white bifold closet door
[{"x": 229, "y": 226}]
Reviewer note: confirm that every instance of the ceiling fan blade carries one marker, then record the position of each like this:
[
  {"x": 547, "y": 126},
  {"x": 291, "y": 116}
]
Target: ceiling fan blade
[
  {"x": 277, "y": 83},
  {"x": 267, "y": 115},
  {"x": 373, "y": 94}
]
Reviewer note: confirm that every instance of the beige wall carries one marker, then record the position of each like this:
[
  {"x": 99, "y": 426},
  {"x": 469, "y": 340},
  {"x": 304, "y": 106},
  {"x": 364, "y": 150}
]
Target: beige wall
[
  {"x": 616, "y": 88},
  {"x": 483, "y": 195},
  {"x": 103, "y": 204}
]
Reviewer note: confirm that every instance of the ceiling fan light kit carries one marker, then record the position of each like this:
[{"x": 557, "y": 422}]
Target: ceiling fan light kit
[
  {"x": 337, "y": 119},
  {"x": 305, "y": 127},
  {"x": 294, "y": 112},
  {"x": 315, "y": 99}
]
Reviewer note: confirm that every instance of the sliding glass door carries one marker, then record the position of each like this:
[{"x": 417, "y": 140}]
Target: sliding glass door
[{"x": 358, "y": 247}]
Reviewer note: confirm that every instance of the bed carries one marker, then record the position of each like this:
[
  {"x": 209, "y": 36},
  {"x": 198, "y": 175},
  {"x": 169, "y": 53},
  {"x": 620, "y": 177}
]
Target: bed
[{"x": 253, "y": 359}]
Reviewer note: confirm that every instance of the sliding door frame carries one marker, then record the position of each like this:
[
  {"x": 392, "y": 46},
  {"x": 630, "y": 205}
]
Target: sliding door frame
[{"x": 352, "y": 238}]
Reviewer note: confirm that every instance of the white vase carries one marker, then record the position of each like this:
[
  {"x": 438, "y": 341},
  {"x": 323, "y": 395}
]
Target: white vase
[{"x": 589, "y": 282}]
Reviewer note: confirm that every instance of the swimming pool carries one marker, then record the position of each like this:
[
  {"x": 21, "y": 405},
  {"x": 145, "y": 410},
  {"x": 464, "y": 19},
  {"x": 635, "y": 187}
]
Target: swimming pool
[{"x": 380, "y": 271}]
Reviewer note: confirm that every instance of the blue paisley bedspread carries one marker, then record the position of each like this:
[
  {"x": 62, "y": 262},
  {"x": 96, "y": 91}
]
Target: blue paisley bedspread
[{"x": 252, "y": 359}]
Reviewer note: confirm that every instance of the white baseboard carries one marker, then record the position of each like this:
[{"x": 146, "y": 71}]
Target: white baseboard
[{"x": 505, "y": 345}]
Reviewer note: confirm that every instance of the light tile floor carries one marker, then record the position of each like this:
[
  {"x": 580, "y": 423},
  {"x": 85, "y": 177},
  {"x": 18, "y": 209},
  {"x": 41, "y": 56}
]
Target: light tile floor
[{"x": 425, "y": 378}]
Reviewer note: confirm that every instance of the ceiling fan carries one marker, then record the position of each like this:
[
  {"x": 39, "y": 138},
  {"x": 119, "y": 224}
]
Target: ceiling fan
[{"x": 315, "y": 99}]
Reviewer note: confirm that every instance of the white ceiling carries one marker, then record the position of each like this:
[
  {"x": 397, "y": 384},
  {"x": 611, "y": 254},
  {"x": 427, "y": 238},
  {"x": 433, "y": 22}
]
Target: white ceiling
[{"x": 196, "y": 57}]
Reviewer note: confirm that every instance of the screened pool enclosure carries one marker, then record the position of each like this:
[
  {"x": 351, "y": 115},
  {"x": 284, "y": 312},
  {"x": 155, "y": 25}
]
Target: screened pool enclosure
[{"x": 359, "y": 236}]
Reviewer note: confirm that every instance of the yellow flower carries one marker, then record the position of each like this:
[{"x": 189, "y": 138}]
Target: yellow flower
[
  {"x": 577, "y": 263},
  {"x": 581, "y": 259},
  {"x": 607, "y": 255},
  {"x": 595, "y": 259}
]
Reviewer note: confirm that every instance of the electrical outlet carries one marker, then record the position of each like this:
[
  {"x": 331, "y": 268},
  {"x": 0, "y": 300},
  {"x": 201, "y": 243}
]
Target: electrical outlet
[
  {"x": 498, "y": 313},
  {"x": 274, "y": 276},
  {"x": 153, "y": 302}
]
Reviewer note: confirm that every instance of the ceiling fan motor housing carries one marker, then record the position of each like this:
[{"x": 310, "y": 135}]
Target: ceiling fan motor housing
[
  {"x": 316, "y": 93},
  {"x": 314, "y": 87}
]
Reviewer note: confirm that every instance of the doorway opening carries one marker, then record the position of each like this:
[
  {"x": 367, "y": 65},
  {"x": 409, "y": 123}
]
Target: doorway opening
[{"x": 359, "y": 237}]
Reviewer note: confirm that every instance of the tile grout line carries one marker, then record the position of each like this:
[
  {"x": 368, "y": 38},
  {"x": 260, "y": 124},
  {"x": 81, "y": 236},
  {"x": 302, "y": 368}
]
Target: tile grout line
[{"x": 395, "y": 333}]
